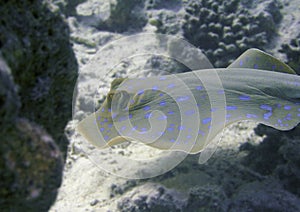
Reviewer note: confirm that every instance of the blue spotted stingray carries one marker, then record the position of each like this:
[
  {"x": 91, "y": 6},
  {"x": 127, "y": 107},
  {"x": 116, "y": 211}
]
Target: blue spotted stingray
[{"x": 187, "y": 111}]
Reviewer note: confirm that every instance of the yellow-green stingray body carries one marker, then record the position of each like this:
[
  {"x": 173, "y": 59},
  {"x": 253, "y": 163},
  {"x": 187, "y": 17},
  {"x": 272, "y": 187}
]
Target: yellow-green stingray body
[{"x": 182, "y": 112}]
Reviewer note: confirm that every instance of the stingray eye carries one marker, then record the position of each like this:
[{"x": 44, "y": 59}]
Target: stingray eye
[
  {"x": 119, "y": 100},
  {"x": 123, "y": 100},
  {"x": 110, "y": 96}
]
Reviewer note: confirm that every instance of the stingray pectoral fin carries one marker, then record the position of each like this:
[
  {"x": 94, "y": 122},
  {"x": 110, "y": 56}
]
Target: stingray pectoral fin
[
  {"x": 89, "y": 129},
  {"x": 257, "y": 59}
]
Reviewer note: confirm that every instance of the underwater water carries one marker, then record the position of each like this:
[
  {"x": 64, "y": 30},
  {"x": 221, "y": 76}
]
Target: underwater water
[{"x": 150, "y": 105}]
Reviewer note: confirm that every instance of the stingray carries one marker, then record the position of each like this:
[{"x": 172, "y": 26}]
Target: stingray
[{"x": 188, "y": 111}]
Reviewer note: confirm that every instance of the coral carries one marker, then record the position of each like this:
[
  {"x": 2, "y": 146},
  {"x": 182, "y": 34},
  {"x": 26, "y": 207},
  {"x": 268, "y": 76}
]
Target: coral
[
  {"x": 162, "y": 4},
  {"x": 30, "y": 161},
  {"x": 125, "y": 15},
  {"x": 35, "y": 44},
  {"x": 277, "y": 156},
  {"x": 263, "y": 196},
  {"x": 206, "y": 198},
  {"x": 166, "y": 22},
  {"x": 38, "y": 71},
  {"x": 292, "y": 51},
  {"x": 223, "y": 29}
]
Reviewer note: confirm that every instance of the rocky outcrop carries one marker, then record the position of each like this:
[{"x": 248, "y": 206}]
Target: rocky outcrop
[
  {"x": 35, "y": 44},
  {"x": 292, "y": 51},
  {"x": 125, "y": 15},
  {"x": 38, "y": 71}
]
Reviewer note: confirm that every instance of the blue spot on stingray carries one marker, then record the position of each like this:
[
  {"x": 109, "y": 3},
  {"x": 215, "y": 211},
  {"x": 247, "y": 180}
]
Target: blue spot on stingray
[
  {"x": 162, "y": 78},
  {"x": 106, "y": 137},
  {"x": 273, "y": 67},
  {"x": 255, "y": 66},
  {"x": 249, "y": 115},
  {"x": 130, "y": 116},
  {"x": 231, "y": 107},
  {"x": 199, "y": 88},
  {"x": 241, "y": 63},
  {"x": 266, "y": 107},
  {"x": 181, "y": 127},
  {"x": 221, "y": 92},
  {"x": 161, "y": 94},
  {"x": 206, "y": 120},
  {"x": 123, "y": 118},
  {"x": 172, "y": 125},
  {"x": 268, "y": 115},
  {"x": 109, "y": 110},
  {"x": 188, "y": 136},
  {"x": 171, "y": 112},
  {"x": 228, "y": 116},
  {"x": 172, "y": 140},
  {"x": 279, "y": 121},
  {"x": 160, "y": 133},
  {"x": 171, "y": 85},
  {"x": 110, "y": 125},
  {"x": 170, "y": 129},
  {"x": 123, "y": 128},
  {"x": 189, "y": 112},
  {"x": 298, "y": 114},
  {"x": 102, "y": 109},
  {"x": 162, "y": 103},
  {"x": 140, "y": 92},
  {"x": 213, "y": 109},
  {"x": 163, "y": 117},
  {"x": 113, "y": 116},
  {"x": 155, "y": 88},
  {"x": 131, "y": 101},
  {"x": 200, "y": 132},
  {"x": 102, "y": 129},
  {"x": 147, "y": 108},
  {"x": 287, "y": 107},
  {"x": 244, "y": 98},
  {"x": 144, "y": 129},
  {"x": 147, "y": 115},
  {"x": 182, "y": 98},
  {"x": 288, "y": 118}
]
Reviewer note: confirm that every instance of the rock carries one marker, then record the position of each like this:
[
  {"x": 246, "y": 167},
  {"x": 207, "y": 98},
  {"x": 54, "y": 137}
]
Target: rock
[
  {"x": 31, "y": 168},
  {"x": 38, "y": 71},
  {"x": 292, "y": 51},
  {"x": 151, "y": 197},
  {"x": 162, "y": 4},
  {"x": 166, "y": 22},
  {"x": 9, "y": 100},
  {"x": 263, "y": 196},
  {"x": 207, "y": 198},
  {"x": 125, "y": 15},
  {"x": 35, "y": 44},
  {"x": 277, "y": 156},
  {"x": 116, "y": 190},
  {"x": 94, "y": 202}
]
